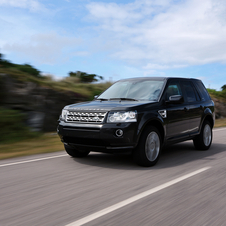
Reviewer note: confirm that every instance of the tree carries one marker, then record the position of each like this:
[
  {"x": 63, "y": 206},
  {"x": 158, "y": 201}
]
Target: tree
[
  {"x": 3, "y": 62},
  {"x": 84, "y": 77},
  {"x": 223, "y": 87},
  {"x": 21, "y": 67}
]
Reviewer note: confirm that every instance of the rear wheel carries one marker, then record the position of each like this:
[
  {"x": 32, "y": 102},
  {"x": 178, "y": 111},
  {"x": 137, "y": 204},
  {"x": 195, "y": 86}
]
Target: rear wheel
[
  {"x": 204, "y": 140},
  {"x": 75, "y": 153},
  {"x": 149, "y": 148}
]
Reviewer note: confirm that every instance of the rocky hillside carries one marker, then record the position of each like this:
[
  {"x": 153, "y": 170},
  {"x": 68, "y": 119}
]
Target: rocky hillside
[
  {"x": 40, "y": 105},
  {"x": 220, "y": 107}
]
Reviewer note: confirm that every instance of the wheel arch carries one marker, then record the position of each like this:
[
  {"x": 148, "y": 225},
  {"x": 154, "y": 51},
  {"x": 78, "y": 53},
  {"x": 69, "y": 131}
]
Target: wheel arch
[
  {"x": 210, "y": 119},
  {"x": 209, "y": 116},
  {"x": 157, "y": 123}
]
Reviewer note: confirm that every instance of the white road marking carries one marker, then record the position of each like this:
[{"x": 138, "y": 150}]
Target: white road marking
[
  {"x": 32, "y": 160},
  {"x": 216, "y": 130},
  {"x": 134, "y": 198}
]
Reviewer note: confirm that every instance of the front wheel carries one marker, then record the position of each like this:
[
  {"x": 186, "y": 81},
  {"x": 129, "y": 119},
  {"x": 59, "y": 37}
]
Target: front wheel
[
  {"x": 204, "y": 140},
  {"x": 149, "y": 148},
  {"x": 75, "y": 153}
]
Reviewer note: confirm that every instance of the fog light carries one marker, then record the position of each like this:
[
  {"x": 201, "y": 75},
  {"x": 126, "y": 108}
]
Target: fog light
[{"x": 119, "y": 133}]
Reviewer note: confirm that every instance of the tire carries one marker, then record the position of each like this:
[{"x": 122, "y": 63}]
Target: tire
[
  {"x": 76, "y": 153},
  {"x": 149, "y": 148},
  {"x": 204, "y": 140}
]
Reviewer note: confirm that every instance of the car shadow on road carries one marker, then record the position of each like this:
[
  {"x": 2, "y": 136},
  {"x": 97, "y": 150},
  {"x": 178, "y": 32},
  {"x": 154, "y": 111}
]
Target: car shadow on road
[
  {"x": 185, "y": 152},
  {"x": 171, "y": 156}
]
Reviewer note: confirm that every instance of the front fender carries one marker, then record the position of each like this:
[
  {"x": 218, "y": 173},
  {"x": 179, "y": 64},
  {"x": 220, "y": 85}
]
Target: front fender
[{"x": 151, "y": 119}]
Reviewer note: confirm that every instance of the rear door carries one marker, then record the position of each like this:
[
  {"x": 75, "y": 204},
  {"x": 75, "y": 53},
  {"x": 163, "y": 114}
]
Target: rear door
[{"x": 193, "y": 101}]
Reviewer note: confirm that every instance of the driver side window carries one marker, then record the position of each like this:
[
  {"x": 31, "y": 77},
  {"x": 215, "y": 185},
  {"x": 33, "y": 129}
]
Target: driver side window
[{"x": 173, "y": 89}]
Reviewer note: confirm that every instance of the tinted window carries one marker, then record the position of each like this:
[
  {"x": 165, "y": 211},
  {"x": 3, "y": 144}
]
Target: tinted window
[
  {"x": 173, "y": 89},
  {"x": 202, "y": 90},
  {"x": 189, "y": 91}
]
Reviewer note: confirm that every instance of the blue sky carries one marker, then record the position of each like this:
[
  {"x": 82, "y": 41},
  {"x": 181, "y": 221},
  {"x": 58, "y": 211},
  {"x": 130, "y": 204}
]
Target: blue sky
[{"x": 118, "y": 39}]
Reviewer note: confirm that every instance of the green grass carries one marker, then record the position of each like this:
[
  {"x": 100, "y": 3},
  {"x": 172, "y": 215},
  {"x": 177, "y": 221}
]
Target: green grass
[
  {"x": 43, "y": 144},
  {"x": 220, "y": 122}
]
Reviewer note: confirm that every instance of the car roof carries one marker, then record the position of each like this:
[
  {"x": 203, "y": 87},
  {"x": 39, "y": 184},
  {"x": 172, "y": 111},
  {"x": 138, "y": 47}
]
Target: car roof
[{"x": 156, "y": 78}]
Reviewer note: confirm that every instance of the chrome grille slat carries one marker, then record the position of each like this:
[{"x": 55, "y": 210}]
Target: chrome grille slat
[{"x": 93, "y": 117}]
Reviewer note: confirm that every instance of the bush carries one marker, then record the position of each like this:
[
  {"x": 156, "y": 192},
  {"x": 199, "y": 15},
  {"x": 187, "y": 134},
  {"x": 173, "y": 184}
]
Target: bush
[
  {"x": 13, "y": 127},
  {"x": 84, "y": 77},
  {"x": 2, "y": 90},
  {"x": 218, "y": 94},
  {"x": 27, "y": 68}
]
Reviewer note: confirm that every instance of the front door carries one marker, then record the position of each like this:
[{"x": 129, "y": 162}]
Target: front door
[{"x": 177, "y": 114}]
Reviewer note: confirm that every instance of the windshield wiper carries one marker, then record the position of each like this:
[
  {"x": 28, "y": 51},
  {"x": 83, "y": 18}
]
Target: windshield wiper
[
  {"x": 123, "y": 98},
  {"x": 102, "y": 99}
]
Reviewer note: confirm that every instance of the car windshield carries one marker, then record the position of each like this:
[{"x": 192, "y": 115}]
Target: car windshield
[{"x": 133, "y": 90}]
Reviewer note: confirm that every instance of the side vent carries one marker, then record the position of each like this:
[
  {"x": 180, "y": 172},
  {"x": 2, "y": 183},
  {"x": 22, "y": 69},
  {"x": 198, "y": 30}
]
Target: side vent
[{"x": 162, "y": 113}]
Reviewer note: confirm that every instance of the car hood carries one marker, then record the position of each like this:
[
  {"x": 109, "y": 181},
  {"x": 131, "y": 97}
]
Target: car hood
[{"x": 98, "y": 105}]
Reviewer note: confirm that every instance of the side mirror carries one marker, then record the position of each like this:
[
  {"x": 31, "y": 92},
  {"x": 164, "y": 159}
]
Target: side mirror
[
  {"x": 175, "y": 99},
  {"x": 95, "y": 97}
]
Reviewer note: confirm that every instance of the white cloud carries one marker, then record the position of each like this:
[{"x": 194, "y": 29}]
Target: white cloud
[
  {"x": 112, "y": 11},
  {"x": 32, "y": 5},
  {"x": 48, "y": 48},
  {"x": 163, "y": 34},
  {"x": 162, "y": 66}
]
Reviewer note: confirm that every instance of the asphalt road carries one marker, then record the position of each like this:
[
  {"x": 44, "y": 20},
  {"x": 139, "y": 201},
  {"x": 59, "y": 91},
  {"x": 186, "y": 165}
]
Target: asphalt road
[{"x": 186, "y": 187}]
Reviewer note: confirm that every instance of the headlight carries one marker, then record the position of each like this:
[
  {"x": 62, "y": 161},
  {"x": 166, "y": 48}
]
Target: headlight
[
  {"x": 64, "y": 114},
  {"x": 123, "y": 116}
]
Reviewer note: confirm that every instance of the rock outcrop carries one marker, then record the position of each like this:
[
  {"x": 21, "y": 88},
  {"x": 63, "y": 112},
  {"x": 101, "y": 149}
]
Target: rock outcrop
[
  {"x": 41, "y": 105},
  {"x": 220, "y": 108}
]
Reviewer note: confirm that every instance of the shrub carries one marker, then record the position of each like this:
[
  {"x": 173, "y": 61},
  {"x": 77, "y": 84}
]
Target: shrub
[
  {"x": 218, "y": 94},
  {"x": 12, "y": 126},
  {"x": 28, "y": 69}
]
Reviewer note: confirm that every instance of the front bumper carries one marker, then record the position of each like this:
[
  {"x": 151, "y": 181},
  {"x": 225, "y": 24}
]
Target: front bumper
[{"x": 98, "y": 137}]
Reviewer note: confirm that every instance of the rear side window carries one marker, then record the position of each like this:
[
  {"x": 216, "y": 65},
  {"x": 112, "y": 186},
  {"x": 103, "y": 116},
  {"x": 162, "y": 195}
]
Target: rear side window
[
  {"x": 202, "y": 90},
  {"x": 189, "y": 91}
]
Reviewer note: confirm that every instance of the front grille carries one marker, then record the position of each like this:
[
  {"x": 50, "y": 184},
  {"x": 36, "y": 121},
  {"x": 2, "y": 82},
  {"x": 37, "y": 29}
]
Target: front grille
[{"x": 94, "y": 117}]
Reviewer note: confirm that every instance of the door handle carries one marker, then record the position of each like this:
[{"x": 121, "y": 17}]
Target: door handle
[
  {"x": 202, "y": 107},
  {"x": 186, "y": 109}
]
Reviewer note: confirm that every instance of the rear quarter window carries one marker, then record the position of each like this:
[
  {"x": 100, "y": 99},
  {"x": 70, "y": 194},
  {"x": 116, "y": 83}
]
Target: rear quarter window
[{"x": 202, "y": 90}]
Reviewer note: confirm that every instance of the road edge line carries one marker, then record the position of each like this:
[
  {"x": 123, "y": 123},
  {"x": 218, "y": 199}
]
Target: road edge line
[{"x": 32, "y": 160}]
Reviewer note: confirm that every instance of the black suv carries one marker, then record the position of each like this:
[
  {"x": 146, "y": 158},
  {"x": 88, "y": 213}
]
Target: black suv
[{"x": 140, "y": 115}]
